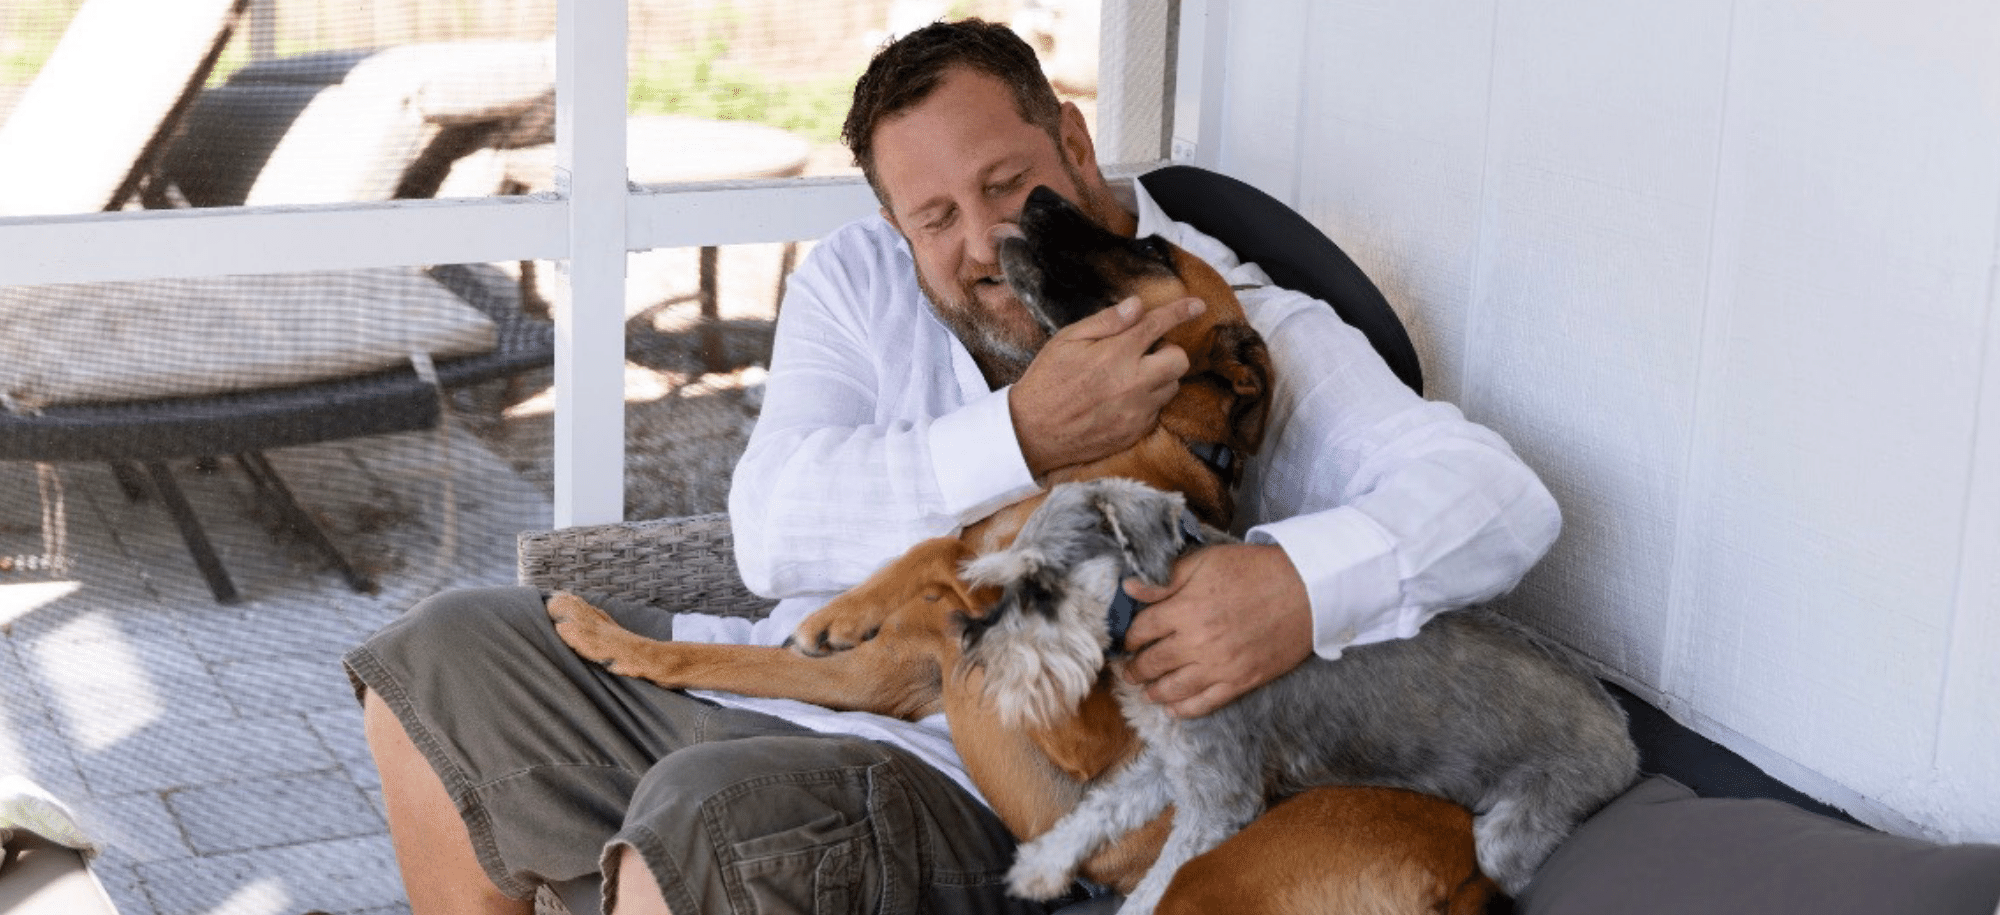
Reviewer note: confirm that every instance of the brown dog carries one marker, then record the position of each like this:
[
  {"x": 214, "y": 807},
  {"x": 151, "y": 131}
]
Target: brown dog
[{"x": 892, "y": 644}]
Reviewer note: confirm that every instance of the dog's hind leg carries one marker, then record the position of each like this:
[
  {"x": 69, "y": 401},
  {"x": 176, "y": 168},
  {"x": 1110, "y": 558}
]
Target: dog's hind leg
[
  {"x": 1045, "y": 867},
  {"x": 1516, "y": 835}
]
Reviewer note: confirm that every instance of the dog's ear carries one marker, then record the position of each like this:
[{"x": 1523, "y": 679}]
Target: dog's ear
[
  {"x": 1238, "y": 355},
  {"x": 978, "y": 600},
  {"x": 1089, "y": 743},
  {"x": 1145, "y": 523}
]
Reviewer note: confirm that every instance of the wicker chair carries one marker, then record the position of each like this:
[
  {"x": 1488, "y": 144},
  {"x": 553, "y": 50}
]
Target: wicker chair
[{"x": 671, "y": 563}]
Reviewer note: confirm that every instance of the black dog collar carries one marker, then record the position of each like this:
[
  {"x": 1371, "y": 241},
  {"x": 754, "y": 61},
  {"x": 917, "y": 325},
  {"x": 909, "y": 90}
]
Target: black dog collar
[
  {"x": 1119, "y": 616},
  {"x": 1218, "y": 456}
]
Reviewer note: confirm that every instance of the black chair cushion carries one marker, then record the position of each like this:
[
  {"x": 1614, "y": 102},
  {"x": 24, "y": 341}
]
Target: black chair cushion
[{"x": 1296, "y": 254}]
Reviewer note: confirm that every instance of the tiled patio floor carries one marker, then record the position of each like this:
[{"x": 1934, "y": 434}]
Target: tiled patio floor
[{"x": 216, "y": 751}]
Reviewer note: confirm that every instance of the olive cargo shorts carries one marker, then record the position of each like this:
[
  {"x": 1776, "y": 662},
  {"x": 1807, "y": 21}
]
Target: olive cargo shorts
[{"x": 556, "y": 764}]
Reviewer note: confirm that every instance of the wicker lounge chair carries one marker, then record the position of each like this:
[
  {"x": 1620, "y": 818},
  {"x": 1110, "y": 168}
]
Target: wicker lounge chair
[{"x": 324, "y": 128}]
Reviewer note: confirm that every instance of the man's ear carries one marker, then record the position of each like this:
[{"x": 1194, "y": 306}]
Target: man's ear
[{"x": 1077, "y": 147}]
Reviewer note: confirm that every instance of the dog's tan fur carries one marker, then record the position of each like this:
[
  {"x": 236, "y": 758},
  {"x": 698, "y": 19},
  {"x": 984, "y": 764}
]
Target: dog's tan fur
[{"x": 891, "y": 644}]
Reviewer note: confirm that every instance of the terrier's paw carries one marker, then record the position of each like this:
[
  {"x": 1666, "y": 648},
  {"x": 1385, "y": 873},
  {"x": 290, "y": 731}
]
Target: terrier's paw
[
  {"x": 1038, "y": 874},
  {"x": 588, "y": 631}
]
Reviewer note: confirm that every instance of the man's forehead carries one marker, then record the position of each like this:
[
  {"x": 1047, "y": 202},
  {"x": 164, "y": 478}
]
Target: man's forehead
[{"x": 967, "y": 128}]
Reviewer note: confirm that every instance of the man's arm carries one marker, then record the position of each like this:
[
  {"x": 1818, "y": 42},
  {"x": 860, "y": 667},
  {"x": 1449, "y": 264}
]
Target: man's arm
[{"x": 845, "y": 469}]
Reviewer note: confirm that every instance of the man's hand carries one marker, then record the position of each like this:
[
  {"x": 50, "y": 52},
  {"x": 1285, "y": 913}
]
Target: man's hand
[
  {"x": 1098, "y": 384},
  {"x": 1234, "y": 617}
]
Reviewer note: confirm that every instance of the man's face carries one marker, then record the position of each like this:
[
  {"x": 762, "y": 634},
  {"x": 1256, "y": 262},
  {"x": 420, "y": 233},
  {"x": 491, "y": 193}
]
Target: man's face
[{"x": 955, "y": 166}]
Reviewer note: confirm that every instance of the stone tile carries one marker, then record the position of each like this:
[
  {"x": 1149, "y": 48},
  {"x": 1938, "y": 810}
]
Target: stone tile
[
  {"x": 105, "y": 682},
  {"x": 343, "y": 875},
  {"x": 215, "y": 750},
  {"x": 339, "y": 729},
  {"x": 120, "y": 878},
  {"x": 292, "y": 624},
  {"x": 96, "y": 610},
  {"x": 269, "y": 812},
  {"x": 278, "y": 684},
  {"x": 30, "y": 744},
  {"x": 134, "y": 828},
  {"x": 181, "y": 754}
]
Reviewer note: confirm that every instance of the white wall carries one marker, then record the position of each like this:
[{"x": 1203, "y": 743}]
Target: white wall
[{"x": 1724, "y": 273}]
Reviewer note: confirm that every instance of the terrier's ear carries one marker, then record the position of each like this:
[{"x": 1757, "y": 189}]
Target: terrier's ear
[{"x": 1144, "y": 522}]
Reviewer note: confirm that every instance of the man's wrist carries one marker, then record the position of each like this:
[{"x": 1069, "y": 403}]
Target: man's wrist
[{"x": 1028, "y": 439}]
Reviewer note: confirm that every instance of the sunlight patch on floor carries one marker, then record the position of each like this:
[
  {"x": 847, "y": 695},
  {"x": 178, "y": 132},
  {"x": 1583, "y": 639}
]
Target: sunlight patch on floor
[
  {"x": 19, "y": 600},
  {"x": 98, "y": 681}
]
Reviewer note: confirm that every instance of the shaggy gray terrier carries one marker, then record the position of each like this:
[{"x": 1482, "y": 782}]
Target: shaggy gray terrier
[{"x": 1474, "y": 708}]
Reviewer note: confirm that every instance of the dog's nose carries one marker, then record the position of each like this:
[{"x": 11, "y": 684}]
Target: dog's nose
[{"x": 1003, "y": 231}]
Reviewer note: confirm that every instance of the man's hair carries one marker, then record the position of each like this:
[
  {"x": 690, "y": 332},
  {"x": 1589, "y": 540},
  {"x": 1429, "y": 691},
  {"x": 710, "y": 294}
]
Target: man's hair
[{"x": 906, "y": 70}]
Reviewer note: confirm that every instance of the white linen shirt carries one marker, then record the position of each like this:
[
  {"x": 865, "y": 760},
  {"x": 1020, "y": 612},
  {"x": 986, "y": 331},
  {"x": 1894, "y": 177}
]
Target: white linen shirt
[{"x": 878, "y": 431}]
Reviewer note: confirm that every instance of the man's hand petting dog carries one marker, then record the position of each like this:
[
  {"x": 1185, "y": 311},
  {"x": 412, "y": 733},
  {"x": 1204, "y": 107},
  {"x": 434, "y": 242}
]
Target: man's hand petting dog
[
  {"x": 1233, "y": 617},
  {"x": 1098, "y": 384}
]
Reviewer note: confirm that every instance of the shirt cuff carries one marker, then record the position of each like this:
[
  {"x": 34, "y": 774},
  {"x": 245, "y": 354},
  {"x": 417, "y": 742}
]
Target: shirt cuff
[
  {"x": 1349, "y": 567},
  {"x": 978, "y": 460}
]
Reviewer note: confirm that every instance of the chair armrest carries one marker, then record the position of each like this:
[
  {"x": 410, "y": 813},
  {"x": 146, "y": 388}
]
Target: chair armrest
[{"x": 680, "y": 564}]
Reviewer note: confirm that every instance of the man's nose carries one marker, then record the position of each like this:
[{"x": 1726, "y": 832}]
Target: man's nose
[{"x": 985, "y": 232}]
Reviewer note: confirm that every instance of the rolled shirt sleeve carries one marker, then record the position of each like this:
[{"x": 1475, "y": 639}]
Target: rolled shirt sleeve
[{"x": 1392, "y": 508}]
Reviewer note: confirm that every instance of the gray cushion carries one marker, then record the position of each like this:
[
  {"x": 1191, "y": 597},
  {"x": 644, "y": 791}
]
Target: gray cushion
[
  {"x": 1660, "y": 849},
  {"x": 140, "y": 340}
]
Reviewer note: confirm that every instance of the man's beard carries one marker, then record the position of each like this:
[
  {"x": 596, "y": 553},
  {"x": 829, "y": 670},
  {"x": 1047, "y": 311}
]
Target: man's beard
[{"x": 1002, "y": 353}]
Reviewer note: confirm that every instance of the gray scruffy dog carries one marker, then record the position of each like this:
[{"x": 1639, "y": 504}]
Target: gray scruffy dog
[{"x": 1474, "y": 708}]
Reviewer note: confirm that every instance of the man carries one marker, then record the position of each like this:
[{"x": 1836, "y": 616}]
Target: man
[{"x": 911, "y": 395}]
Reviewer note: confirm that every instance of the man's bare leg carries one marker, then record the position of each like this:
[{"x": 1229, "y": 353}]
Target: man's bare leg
[
  {"x": 440, "y": 872},
  {"x": 638, "y": 892}
]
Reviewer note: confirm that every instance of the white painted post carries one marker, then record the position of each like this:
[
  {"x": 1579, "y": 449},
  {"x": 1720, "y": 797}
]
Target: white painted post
[
  {"x": 590, "y": 331},
  {"x": 1201, "y": 71},
  {"x": 1133, "y": 80}
]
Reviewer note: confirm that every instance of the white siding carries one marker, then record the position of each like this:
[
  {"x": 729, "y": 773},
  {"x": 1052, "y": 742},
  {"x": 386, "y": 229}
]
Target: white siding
[{"x": 1723, "y": 272}]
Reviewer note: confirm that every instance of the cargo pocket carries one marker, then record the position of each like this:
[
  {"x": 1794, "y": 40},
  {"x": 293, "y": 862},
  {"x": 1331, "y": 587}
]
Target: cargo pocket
[{"x": 826, "y": 867}]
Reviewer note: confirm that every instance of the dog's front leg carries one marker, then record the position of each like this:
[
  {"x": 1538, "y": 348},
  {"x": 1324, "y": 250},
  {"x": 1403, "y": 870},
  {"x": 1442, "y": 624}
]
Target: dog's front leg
[
  {"x": 1045, "y": 868},
  {"x": 896, "y": 677},
  {"x": 1216, "y": 791}
]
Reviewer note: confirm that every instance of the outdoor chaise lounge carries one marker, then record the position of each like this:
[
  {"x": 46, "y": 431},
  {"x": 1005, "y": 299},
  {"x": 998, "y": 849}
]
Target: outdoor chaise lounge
[{"x": 139, "y": 373}]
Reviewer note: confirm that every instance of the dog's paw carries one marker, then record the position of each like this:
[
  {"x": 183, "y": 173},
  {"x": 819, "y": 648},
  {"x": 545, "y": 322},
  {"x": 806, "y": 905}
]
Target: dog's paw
[
  {"x": 588, "y": 631},
  {"x": 836, "y": 627},
  {"x": 1038, "y": 874}
]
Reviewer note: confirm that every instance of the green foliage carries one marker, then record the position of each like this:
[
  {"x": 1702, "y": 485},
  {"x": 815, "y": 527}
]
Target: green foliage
[
  {"x": 28, "y": 34},
  {"x": 702, "y": 84}
]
